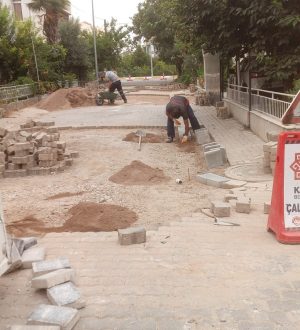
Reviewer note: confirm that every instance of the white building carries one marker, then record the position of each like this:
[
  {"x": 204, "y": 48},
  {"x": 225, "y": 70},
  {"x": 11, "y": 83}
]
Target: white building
[{"x": 20, "y": 9}]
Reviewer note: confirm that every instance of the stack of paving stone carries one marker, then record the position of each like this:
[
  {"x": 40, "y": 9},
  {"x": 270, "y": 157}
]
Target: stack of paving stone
[
  {"x": 202, "y": 98},
  {"x": 214, "y": 154},
  {"x": 56, "y": 277},
  {"x": 21, "y": 253},
  {"x": 270, "y": 153},
  {"x": 222, "y": 111},
  {"x": 35, "y": 149}
]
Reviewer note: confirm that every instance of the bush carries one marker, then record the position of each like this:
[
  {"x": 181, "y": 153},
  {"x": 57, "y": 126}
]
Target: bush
[{"x": 22, "y": 81}]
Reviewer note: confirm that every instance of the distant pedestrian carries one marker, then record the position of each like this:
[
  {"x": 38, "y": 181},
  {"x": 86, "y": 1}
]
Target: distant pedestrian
[
  {"x": 114, "y": 83},
  {"x": 179, "y": 106}
]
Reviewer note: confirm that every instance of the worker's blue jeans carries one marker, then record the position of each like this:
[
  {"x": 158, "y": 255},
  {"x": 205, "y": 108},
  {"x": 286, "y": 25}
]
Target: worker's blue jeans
[{"x": 192, "y": 118}]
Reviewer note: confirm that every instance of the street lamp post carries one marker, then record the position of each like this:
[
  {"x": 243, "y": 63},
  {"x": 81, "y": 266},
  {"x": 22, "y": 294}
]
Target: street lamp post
[{"x": 95, "y": 44}]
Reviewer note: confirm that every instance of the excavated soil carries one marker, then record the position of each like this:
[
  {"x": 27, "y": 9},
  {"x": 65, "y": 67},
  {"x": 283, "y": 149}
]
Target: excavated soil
[
  {"x": 84, "y": 217},
  {"x": 138, "y": 173},
  {"x": 67, "y": 98},
  {"x": 189, "y": 147},
  {"x": 149, "y": 138}
]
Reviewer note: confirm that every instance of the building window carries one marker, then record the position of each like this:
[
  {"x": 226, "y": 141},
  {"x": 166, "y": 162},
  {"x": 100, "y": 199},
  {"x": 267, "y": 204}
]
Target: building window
[{"x": 18, "y": 10}]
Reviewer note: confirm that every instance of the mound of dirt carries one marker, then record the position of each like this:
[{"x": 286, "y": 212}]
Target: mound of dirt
[
  {"x": 84, "y": 217},
  {"x": 138, "y": 173},
  {"x": 98, "y": 217},
  {"x": 67, "y": 98},
  {"x": 149, "y": 138}
]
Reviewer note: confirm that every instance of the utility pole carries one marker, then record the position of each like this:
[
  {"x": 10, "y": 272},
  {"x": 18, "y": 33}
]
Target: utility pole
[{"x": 95, "y": 44}]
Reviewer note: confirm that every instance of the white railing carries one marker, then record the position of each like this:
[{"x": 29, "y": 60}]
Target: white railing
[
  {"x": 271, "y": 103},
  {"x": 15, "y": 93}
]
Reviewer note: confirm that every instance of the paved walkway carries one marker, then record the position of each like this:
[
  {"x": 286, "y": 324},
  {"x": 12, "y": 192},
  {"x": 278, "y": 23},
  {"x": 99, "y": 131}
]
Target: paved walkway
[
  {"x": 242, "y": 145},
  {"x": 189, "y": 275}
]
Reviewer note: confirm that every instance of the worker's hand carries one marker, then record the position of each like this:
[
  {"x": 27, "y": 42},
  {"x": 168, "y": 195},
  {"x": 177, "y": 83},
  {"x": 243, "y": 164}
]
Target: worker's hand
[
  {"x": 177, "y": 122},
  {"x": 184, "y": 139}
]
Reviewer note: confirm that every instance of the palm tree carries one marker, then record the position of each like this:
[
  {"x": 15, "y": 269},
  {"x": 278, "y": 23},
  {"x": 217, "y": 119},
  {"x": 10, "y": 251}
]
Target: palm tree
[{"x": 53, "y": 10}]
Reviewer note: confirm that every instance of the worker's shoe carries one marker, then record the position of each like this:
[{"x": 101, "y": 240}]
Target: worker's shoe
[{"x": 169, "y": 140}]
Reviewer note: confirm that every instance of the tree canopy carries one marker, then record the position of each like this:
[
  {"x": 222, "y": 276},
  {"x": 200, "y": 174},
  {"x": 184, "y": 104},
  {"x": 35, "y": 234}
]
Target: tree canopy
[{"x": 53, "y": 11}]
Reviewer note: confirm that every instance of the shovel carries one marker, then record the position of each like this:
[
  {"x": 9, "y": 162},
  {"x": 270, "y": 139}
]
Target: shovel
[{"x": 140, "y": 134}]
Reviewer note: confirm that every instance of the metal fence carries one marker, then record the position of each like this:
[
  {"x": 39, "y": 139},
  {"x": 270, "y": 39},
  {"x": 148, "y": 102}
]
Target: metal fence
[
  {"x": 15, "y": 93},
  {"x": 271, "y": 103}
]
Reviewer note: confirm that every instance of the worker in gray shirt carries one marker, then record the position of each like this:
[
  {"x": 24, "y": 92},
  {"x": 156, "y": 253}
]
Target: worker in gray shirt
[{"x": 114, "y": 83}]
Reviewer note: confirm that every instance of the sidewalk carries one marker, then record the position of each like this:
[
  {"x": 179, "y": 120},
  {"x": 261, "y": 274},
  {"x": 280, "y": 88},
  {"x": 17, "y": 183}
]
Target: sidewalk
[
  {"x": 191, "y": 275},
  {"x": 242, "y": 145}
]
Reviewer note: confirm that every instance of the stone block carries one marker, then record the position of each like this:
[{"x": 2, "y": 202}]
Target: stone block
[
  {"x": 15, "y": 173},
  {"x": 34, "y": 327},
  {"x": 211, "y": 179},
  {"x": 213, "y": 158},
  {"x": 65, "y": 294},
  {"x": 74, "y": 154},
  {"x": 47, "y": 266},
  {"x": 209, "y": 146},
  {"x": 26, "y": 135},
  {"x": 44, "y": 123},
  {"x": 47, "y": 157},
  {"x": 232, "y": 184},
  {"x": 267, "y": 207},
  {"x": 47, "y": 163},
  {"x": 28, "y": 242},
  {"x": 220, "y": 209},
  {"x": 51, "y": 279},
  {"x": 230, "y": 197},
  {"x": 219, "y": 104},
  {"x": 272, "y": 165},
  {"x": 272, "y": 136},
  {"x": 21, "y": 153},
  {"x": 52, "y": 130},
  {"x": 134, "y": 235},
  {"x": 44, "y": 150},
  {"x": 69, "y": 162},
  {"x": 3, "y": 132},
  {"x": 14, "y": 257},
  {"x": 267, "y": 146},
  {"x": 243, "y": 205},
  {"x": 22, "y": 146},
  {"x": 2, "y": 169},
  {"x": 202, "y": 136},
  {"x": 32, "y": 255},
  {"x": 2, "y": 157},
  {"x": 224, "y": 155},
  {"x": 41, "y": 138},
  {"x": 12, "y": 167},
  {"x": 19, "y": 160},
  {"x": 39, "y": 171},
  {"x": 64, "y": 317}
]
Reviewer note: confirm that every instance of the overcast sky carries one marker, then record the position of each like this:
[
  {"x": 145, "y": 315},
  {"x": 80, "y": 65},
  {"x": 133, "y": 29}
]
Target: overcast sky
[{"x": 122, "y": 10}]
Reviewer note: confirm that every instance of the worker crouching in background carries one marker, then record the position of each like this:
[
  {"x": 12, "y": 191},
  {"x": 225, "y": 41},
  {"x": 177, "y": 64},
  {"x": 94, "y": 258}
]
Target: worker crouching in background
[{"x": 179, "y": 106}]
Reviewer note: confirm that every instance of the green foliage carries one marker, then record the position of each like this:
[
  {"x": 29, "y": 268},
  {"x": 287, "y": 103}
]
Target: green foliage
[
  {"x": 23, "y": 80},
  {"x": 154, "y": 22},
  {"x": 268, "y": 30},
  {"x": 77, "y": 59},
  {"x": 296, "y": 87}
]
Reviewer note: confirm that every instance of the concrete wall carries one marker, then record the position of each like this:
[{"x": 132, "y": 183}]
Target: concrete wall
[
  {"x": 18, "y": 105},
  {"x": 260, "y": 123}
]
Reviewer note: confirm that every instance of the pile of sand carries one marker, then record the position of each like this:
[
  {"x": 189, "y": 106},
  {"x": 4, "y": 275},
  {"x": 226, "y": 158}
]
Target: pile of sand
[
  {"x": 84, "y": 217},
  {"x": 138, "y": 173},
  {"x": 67, "y": 98},
  {"x": 149, "y": 138}
]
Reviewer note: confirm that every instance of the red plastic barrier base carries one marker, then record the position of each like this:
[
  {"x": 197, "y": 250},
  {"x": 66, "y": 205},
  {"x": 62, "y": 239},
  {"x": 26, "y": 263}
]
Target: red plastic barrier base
[{"x": 284, "y": 217}]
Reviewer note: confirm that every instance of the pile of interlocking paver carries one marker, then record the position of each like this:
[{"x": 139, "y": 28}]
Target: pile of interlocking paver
[
  {"x": 56, "y": 277},
  {"x": 35, "y": 149},
  {"x": 270, "y": 152},
  {"x": 202, "y": 98}
]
